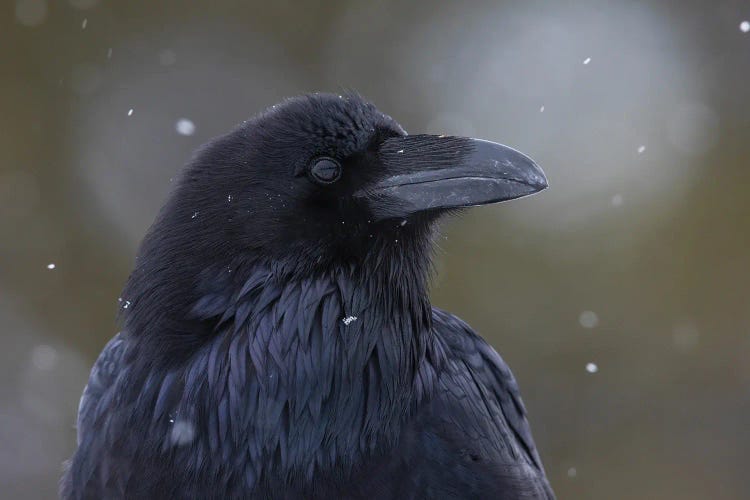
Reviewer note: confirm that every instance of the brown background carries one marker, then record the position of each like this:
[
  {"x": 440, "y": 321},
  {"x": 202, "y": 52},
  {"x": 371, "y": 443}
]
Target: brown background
[{"x": 637, "y": 262}]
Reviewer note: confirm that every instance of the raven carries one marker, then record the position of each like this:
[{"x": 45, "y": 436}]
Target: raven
[{"x": 277, "y": 337}]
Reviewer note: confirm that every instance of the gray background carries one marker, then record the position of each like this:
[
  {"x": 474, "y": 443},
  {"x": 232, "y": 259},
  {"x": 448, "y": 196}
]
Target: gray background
[{"x": 637, "y": 262}]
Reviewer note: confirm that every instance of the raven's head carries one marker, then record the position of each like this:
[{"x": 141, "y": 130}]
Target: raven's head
[
  {"x": 316, "y": 181},
  {"x": 323, "y": 177}
]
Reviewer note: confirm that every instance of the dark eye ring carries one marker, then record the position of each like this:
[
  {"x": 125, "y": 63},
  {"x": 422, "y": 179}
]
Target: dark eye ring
[{"x": 325, "y": 170}]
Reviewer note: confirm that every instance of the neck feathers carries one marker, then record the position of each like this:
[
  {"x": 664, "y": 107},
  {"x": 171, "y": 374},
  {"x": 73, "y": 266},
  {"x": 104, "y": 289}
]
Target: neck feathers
[
  {"x": 324, "y": 370},
  {"x": 309, "y": 374}
]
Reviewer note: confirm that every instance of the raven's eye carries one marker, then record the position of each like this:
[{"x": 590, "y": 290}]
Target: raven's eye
[{"x": 325, "y": 171}]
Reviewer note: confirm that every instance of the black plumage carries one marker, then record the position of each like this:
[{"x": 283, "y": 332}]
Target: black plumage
[{"x": 278, "y": 340}]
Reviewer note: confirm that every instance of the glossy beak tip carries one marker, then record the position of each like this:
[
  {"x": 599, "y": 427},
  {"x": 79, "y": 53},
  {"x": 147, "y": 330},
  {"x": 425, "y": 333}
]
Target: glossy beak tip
[{"x": 540, "y": 183}]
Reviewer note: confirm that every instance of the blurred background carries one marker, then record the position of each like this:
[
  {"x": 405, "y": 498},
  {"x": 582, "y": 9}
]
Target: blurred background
[{"x": 619, "y": 296}]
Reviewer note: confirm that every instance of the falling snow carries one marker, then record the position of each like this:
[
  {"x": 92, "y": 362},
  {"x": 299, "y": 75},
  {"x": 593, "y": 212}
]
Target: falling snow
[
  {"x": 587, "y": 60},
  {"x": 592, "y": 368},
  {"x": 588, "y": 319},
  {"x": 44, "y": 357},
  {"x": 641, "y": 149},
  {"x": 51, "y": 265},
  {"x": 126, "y": 305},
  {"x": 182, "y": 433},
  {"x": 185, "y": 126},
  {"x": 400, "y": 151},
  {"x": 685, "y": 336},
  {"x": 745, "y": 26},
  {"x": 616, "y": 200},
  {"x": 130, "y": 112},
  {"x": 349, "y": 319},
  {"x": 572, "y": 472},
  {"x": 195, "y": 214},
  {"x": 541, "y": 110},
  {"x": 84, "y": 23},
  {"x": 167, "y": 57}
]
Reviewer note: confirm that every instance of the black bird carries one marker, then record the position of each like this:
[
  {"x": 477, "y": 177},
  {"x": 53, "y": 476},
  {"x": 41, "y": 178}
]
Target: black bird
[{"x": 278, "y": 340}]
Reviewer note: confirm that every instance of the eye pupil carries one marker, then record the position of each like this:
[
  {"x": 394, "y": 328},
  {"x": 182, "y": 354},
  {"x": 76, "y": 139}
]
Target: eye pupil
[{"x": 326, "y": 171}]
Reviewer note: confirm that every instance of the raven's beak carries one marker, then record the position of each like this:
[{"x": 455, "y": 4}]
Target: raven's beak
[{"x": 429, "y": 172}]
